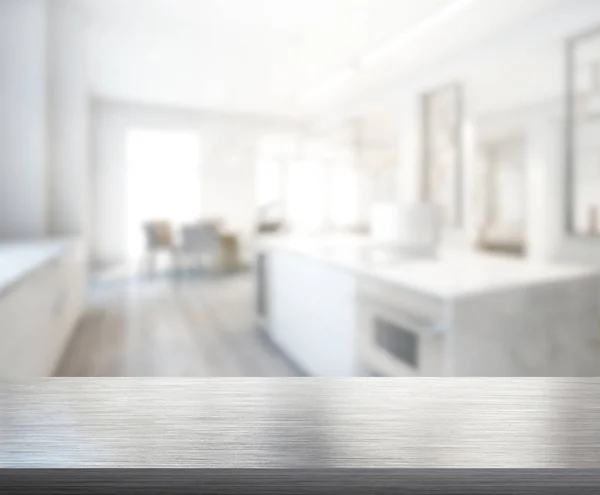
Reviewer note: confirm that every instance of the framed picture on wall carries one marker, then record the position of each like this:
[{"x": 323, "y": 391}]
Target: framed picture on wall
[
  {"x": 583, "y": 135},
  {"x": 442, "y": 151}
]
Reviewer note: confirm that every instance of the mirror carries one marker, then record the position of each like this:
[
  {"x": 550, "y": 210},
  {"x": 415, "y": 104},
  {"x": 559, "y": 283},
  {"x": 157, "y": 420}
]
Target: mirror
[{"x": 503, "y": 225}]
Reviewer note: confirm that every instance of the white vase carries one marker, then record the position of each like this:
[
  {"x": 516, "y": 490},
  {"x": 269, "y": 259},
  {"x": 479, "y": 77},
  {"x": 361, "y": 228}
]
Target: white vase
[
  {"x": 413, "y": 228},
  {"x": 419, "y": 228}
]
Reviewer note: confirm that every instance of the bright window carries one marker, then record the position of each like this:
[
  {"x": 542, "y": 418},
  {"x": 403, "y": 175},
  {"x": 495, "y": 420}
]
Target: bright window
[
  {"x": 343, "y": 195},
  {"x": 163, "y": 180},
  {"x": 306, "y": 191},
  {"x": 269, "y": 182}
]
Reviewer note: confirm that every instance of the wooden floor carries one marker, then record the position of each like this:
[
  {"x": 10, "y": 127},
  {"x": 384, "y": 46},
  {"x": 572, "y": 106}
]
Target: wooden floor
[{"x": 198, "y": 326}]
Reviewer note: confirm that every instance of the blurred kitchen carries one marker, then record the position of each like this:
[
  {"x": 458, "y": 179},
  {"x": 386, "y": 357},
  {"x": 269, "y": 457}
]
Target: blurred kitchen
[{"x": 299, "y": 188}]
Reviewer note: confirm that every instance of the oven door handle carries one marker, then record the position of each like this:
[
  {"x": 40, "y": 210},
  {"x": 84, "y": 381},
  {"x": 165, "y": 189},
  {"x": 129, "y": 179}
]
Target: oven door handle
[
  {"x": 419, "y": 323},
  {"x": 435, "y": 328},
  {"x": 432, "y": 328}
]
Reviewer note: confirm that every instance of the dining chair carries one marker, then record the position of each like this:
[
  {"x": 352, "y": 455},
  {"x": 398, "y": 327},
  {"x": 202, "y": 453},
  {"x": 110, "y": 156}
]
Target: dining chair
[
  {"x": 199, "y": 241},
  {"x": 159, "y": 238}
]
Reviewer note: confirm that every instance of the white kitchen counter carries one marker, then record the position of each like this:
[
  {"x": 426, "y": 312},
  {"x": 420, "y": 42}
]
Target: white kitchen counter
[
  {"x": 453, "y": 273},
  {"x": 42, "y": 296},
  {"x": 18, "y": 259},
  {"x": 333, "y": 304}
]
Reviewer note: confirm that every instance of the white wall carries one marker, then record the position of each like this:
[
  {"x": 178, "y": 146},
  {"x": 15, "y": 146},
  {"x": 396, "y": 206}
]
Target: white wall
[
  {"x": 228, "y": 178},
  {"x": 22, "y": 118},
  {"x": 43, "y": 119},
  {"x": 68, "y": 116},
  {"x": 227, "y": 169}
]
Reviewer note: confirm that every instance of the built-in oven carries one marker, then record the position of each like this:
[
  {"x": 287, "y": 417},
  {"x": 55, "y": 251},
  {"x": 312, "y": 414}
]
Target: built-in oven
[{"x": 400, "y": 333}]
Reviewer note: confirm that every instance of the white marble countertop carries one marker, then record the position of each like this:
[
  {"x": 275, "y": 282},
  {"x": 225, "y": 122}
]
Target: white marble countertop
[
  {"x": 452, "y": 273},
  {"x": 20, "y": 258}
]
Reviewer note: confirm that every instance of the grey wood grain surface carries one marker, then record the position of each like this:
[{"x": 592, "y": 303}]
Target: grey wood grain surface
[{"x": 301, "y": 423}]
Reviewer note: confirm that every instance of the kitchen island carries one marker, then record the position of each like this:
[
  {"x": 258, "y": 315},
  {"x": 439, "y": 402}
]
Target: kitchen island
[
  {"x": 42, "y": 293},
  {"x": 338, "y": 306}
]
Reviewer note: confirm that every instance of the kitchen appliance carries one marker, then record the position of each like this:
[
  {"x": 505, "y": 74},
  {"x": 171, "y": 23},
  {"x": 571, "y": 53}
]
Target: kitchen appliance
[
  {"x": 410, "y": 229},
  {"x": 400, "y": 332},
  {"x": 419, "y": 228}
]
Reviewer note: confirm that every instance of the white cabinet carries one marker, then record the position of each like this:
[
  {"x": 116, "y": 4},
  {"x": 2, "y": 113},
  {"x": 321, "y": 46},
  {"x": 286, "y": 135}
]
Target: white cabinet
[
  {"x": 311, "y": 313},
  {"x": 38, "y": 313},
  {"x": 337, "y": 312}
]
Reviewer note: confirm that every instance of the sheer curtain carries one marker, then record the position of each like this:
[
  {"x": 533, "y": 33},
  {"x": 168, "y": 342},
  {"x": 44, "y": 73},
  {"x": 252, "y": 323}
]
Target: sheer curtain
[{"x": 313, "y": 185}]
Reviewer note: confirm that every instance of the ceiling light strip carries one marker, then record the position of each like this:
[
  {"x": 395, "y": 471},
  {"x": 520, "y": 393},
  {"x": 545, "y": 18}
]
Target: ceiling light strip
[{"x": 385, "y": 51}]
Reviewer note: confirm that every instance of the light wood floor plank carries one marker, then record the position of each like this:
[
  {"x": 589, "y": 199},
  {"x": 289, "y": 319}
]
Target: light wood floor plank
[{"x": 174, "y": 328}]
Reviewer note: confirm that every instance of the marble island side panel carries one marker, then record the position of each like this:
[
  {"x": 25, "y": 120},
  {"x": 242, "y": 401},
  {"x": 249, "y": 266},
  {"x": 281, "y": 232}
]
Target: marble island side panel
[{"x": 535, "y": 330}]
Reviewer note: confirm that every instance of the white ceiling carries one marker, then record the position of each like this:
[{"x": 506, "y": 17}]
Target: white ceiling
[
  {"x": 253, "y": 56},
  {"x": 241, "y": 55}
]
